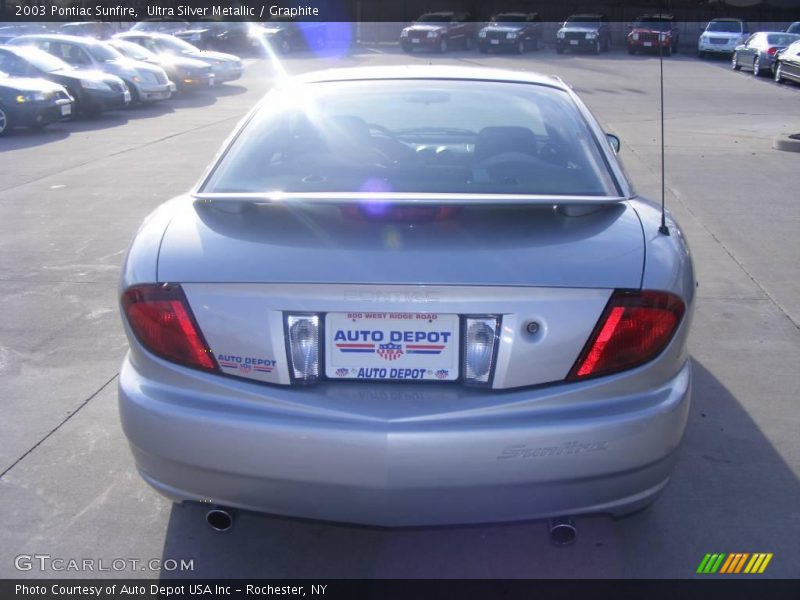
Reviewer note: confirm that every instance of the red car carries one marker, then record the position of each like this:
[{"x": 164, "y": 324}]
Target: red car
[
  {"x": 439, "y": 31},
  {"x": 651, "y": 31}
]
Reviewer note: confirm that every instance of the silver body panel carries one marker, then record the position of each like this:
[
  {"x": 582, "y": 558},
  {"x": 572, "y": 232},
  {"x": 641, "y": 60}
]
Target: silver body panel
[{"x": 394, "y": 454}]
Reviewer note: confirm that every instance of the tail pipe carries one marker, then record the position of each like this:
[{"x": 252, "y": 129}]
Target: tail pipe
[
  {"x": 562, "y": 531},
  {"x": 220, "y": 518}
]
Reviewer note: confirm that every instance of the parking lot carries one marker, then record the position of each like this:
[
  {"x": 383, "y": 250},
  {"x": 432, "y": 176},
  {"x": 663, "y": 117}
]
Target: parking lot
[{"x": 73, "y": 195}]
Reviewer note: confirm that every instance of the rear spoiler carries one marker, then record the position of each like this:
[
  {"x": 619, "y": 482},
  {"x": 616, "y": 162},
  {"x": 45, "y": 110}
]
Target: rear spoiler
[{"x": 398, "y": 198}]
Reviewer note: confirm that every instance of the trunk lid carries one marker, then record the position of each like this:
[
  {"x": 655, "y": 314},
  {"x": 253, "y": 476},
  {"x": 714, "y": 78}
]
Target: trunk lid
[
  {"x": 242, "y": 272},
  {"x": 535, "y": 246}
]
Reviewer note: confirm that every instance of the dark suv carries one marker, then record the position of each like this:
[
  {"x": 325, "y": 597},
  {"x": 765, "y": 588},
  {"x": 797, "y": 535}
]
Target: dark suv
[
  {"x": 439, "y": 31},
  {"x": 515, "y": 31},
  {"x": 584, "y": 32}
]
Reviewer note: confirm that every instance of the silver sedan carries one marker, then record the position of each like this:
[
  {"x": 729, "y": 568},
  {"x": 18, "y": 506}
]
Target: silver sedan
[
  {"x": 410, "y": 296},
  {"x": 225, "y": 67},
  {"x": 758, "y": 53}
]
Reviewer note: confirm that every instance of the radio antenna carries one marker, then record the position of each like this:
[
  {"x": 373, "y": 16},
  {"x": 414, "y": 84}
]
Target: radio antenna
[{"x": 663, "y": 227}]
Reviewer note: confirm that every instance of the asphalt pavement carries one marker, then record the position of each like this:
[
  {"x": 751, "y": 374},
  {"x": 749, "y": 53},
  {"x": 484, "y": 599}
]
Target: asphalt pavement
[{"x": 73, "y": 195}]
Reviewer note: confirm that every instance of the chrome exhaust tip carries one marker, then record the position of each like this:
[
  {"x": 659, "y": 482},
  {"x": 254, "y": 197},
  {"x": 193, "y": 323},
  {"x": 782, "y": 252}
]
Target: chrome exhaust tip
[
  {"x": 220, "y": 519},
  {"x": 562, "y": 531}
]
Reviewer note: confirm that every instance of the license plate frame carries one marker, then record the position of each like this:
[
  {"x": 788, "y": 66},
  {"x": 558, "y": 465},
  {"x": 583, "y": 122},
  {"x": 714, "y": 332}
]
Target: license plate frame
[
  {"x": 494, "y": 42},
  {"x": 392, "y": 346},
  {"x": 66, "y": 110}
]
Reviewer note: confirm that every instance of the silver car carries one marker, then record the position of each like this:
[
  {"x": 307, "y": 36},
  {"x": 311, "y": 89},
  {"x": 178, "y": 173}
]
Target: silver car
[
  {"x": 226, "y": 67},
  {"x": 758, "y": 53},
  {"x": 146, "y": 82},
  {"x": 410, "y": 296}
]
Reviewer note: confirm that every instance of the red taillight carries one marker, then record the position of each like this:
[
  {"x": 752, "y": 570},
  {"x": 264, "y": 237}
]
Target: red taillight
[
  {"x": 633, "y": 329},
  {"x": 772, "y": 51},
  {"x": 162, "y": 321}
]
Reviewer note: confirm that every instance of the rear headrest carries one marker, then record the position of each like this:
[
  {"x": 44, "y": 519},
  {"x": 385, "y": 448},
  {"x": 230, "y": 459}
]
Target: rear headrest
[{"x": 497, "y": 140}]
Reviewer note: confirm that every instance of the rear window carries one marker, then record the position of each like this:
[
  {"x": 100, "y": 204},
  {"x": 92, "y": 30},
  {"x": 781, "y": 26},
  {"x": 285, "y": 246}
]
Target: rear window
[
  {"x": 782, "y": 39},
  {"x": 417, "y": 136}
]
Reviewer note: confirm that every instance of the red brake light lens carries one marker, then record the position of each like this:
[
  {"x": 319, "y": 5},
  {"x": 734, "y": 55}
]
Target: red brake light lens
[
  {"x": 772, "y": 51},
  {"x": 162, "y": 321},
  {"x": 386, "y": 212},
  {"x": 633, "y": 329}
]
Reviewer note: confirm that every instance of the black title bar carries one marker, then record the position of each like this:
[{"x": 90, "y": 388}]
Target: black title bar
[{"x": 12, "y": 11}]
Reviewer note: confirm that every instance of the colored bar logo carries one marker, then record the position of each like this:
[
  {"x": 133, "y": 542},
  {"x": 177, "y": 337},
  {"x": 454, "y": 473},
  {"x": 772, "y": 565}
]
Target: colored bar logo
[{"x": 737, "y": 562}]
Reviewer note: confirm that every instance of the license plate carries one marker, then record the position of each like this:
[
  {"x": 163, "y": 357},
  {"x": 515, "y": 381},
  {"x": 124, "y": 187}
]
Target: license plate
[
  {"x": 573, "y": 42},
  {"x": 212, "y": 82},
  {"x": 172, "y": 87},
  {"x": 413, "y": 41},
  {"x": 391, "y": 346},
  {"x": 127, "y": 96},
  {"x": 66, "y": 109},
  {"x": 495, "y": 42},
  {"x": 648, "y": 44}
]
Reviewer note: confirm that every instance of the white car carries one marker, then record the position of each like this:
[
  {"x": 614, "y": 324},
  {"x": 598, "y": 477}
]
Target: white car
[{"x": 721, "y": 36}]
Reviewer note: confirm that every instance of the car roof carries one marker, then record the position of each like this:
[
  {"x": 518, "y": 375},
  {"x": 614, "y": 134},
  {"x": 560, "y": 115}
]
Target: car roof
[
  {"x": 429, "y": 72},
  {"x": 155, "y": 34},
  {"x": 61, "y": 37}
]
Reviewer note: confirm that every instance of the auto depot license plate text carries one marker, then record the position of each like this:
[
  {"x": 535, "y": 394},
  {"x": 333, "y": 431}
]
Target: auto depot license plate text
[{"x": 391, "y": 346}]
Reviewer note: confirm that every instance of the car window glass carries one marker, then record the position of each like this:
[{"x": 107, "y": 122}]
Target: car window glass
[
  {"x": 12, "y": 65},
  {"x": 418, "y": 136}
]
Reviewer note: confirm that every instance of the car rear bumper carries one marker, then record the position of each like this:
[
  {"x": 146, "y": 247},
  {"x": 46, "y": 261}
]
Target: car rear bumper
[{"x": 215, "y": 441}]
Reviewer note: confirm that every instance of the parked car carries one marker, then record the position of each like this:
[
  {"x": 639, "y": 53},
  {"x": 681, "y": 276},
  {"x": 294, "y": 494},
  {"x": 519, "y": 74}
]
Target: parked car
[
  {"x": 93, "y": 91},
  {"x": 99, "y": 30},
  {"x": 284, "y": 35},
  {"x": 651, "y": 32},
  {"x": 186, "y": 73},
  {"x": 432, "y": 299},
  {"x": 584, "y": 32},
  {"x": 33, "y": 103},
  {"x": 147, "y": 83},
  {"x": 515, "y": 31},
  {"x": 758, "y": 53},
  {"x": 721, "y": 36},
  {"x": 794, "y": 27},
  {"x": 160, "y": 25},
  {"x": 226, "y": 36},
  {"x": 787, "y": 64},
  {"x": 226, "y": 67},
  {"x": 438, "y": 31},
  {"x": 9, "y": 32}
]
